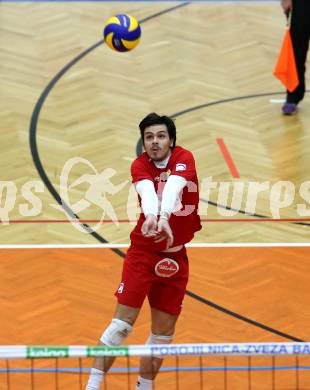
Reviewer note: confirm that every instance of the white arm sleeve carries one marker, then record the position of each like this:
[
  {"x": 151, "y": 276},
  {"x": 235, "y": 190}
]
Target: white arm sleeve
[
  {"x": 171, "y": 193},
  {"x": 149, "y": 200}
]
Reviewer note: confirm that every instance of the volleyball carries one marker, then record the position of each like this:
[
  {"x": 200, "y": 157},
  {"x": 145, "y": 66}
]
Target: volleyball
[{"x": 122, "y": 32}]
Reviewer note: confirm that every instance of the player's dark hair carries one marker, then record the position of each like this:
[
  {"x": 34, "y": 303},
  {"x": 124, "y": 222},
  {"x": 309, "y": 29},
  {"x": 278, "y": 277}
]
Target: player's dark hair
[{"x": 155, "y": 119}]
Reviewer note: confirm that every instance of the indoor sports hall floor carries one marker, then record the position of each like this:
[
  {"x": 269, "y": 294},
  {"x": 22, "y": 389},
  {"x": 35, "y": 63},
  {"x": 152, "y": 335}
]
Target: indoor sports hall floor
[{"x": 68, "y": 99}]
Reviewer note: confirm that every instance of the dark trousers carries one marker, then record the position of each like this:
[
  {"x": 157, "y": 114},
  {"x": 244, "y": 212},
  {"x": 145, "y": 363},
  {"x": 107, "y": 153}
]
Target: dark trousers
[{"x": 300, "y": 33}]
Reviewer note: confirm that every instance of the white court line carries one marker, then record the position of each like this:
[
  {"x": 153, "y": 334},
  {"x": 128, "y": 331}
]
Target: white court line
[
  {"x": 192, "y": 245},
  {"x": 139, "y": 1},
  {"x": 276, "y": 101}
]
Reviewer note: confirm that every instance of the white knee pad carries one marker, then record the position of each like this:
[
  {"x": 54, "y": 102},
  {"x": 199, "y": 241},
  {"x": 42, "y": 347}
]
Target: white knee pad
[
  {"x": 116, "y": 332},
  {"x": 158, "y": 339}
]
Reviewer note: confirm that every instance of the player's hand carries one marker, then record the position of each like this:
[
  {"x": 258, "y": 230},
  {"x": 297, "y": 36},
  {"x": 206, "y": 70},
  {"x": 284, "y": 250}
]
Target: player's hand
[
  {"x": 287, "y": 6},
  {"x": 164, "y": 232},
  {"x": 149, "y": 227}
]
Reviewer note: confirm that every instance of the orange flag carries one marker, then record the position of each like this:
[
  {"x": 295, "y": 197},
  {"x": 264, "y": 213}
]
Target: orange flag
[{"x": 285, "y": 69}]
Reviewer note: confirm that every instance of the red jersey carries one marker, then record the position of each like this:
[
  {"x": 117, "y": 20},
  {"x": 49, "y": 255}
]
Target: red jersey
[{"x": 185, "y": 222}]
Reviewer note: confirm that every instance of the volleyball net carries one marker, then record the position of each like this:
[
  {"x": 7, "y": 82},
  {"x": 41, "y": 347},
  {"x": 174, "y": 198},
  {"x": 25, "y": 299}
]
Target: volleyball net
[{"x": 237, "y": 366}]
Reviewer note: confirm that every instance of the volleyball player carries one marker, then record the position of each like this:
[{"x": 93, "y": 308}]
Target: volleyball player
[{"x": 156, "y": 264}]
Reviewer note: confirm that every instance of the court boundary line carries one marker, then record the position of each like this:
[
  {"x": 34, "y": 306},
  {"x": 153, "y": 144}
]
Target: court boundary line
[
  {"x": 140, "y": 1},
  {"x": 190, "y": 245}
]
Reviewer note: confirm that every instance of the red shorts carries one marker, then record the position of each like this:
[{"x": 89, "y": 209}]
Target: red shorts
[{"x": 161, "y": 276}]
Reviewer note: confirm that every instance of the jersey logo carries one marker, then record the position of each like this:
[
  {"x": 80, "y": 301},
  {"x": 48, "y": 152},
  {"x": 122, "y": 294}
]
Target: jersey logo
[
  {"x": 163, "y": 177},
  {"x": 121, "y": 288},
  {"x": 166, "y": 268},
  {"x": 180, "y": 167}
]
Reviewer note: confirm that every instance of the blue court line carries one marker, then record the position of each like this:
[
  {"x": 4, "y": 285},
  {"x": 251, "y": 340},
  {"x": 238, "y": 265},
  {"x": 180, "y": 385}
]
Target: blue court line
[{"x": 163, "y": 369}]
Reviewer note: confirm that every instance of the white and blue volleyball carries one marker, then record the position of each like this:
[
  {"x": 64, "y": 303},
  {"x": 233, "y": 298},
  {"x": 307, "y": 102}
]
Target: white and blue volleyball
[{"x": 122, "y": 32}]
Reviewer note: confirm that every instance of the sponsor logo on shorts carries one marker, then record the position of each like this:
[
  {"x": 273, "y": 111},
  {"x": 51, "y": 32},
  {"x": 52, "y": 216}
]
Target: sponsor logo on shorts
[
  {"x": 121, "y": 288},
  {"x": 180, "y": 167},
  {"x": 166, "y": 268}
]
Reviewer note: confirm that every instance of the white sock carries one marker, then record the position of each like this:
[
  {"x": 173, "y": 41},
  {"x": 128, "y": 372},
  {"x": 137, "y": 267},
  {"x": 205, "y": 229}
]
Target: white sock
[
  {"x": 144, "y": 384},
  {"x": 95, "y": 379}
]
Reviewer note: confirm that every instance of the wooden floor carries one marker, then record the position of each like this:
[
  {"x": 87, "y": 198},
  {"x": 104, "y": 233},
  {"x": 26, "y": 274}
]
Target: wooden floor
[
  {"x": 210, "y": 66},
  {"x": 197, "y": 55},
  {"x": 68, "y": 294},
  {"x": 65, "y": 297}
]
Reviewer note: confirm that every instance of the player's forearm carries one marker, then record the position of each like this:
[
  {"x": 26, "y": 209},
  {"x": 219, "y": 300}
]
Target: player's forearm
[
  {"x": 149, "y": 199},
  {"x": 171, "y": 193}
]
